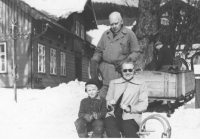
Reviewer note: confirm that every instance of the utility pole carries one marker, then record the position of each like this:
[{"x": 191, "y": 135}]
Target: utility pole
[{"x": 14, "y": 66}]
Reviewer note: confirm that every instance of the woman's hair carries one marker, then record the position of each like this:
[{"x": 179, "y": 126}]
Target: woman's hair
[{"x": 127, "y": 61}]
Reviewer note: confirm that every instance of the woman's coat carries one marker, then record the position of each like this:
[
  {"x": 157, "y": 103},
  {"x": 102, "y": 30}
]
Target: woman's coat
[{"x": 135, "y": 95}]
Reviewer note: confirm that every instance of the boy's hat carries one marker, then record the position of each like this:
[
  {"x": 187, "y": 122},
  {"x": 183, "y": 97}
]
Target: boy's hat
[
  {"x": 93, "y": 81},
  {"x": 158, "y": 43}
]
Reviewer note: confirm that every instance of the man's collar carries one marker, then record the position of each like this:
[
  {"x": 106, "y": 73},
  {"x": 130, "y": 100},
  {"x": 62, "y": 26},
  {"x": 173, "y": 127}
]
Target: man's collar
[
  {"x": 122, "y": 32},
  {"x": 123, "y": 29}
]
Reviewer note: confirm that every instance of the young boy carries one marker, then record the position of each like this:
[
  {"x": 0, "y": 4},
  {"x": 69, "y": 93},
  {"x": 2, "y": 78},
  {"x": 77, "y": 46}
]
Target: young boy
[{"x": 92, "y": 111}]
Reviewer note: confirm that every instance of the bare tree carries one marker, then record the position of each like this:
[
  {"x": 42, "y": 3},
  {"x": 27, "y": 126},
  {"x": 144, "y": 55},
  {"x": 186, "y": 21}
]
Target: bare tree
[
  {"x": 173, "y": 22},
  {"x": 146, "y": 28}
]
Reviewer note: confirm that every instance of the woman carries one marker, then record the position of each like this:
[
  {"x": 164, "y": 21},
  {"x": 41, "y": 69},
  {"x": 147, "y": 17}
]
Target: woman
[{"x": 130, "y": 97}]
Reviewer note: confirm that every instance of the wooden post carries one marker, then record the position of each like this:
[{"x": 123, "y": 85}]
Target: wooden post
[
  {"x": 196, "y": 67},
  {"x": 14, "y": 46},
  {"x": 197, "y": 93}
]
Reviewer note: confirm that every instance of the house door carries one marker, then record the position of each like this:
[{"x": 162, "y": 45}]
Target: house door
[{"x": 78, "y": 67}]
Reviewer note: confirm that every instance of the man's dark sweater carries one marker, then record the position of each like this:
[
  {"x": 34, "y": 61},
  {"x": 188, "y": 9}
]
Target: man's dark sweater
[
  {"x": 165, "y": 57},
  {"x": 88, "y": 106}
]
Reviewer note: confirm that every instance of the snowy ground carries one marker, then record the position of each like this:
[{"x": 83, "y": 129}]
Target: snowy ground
[{"x": 50, "y": 114}]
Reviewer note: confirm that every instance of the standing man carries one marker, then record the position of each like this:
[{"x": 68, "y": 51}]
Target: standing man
[
  {"x": 116, "y": 45},
  {"x": 127, "y": 98}
]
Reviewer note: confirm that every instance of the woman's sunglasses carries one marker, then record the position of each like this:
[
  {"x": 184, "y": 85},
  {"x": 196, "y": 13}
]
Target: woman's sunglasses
[{"x": 125, "y": 70}]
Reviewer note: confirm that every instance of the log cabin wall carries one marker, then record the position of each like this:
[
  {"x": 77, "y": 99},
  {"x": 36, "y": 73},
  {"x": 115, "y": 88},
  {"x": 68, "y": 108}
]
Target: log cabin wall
[
  {"x": 83, "y": 50},
  {"x": 12, "y": 13},
  {"x": 60, "y": 41},
  {"x": 79, "y": 45},
  {"x": 30, "y": 25}
]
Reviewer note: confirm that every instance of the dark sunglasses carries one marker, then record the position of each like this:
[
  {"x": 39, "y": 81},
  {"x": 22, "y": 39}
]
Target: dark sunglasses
[{"x": 125, "y": 70}]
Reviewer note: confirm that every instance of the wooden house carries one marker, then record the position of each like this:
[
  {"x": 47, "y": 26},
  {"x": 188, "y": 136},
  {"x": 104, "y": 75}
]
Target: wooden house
[{"x": 47, "y": 50}]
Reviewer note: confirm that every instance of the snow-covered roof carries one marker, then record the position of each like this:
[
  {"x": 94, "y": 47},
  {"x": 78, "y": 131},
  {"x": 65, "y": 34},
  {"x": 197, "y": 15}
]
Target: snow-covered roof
[
  {"x": 95, "y": 34},
  {"x": 129, "y": 2},
  {"x": 120, "y": 2},
  {"x": 57, "y": 8}
]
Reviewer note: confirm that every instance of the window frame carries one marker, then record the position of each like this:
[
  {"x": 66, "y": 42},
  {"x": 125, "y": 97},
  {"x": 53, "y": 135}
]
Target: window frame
[
  {"x": 82, "y": 31},
  {"x": 77, "y": 31},
  {"x": 5, "y": 57},
  {"x": 63, "y": 64},
  {"x": 53, "y": 61},
  {"x": 43, "y": 55}
]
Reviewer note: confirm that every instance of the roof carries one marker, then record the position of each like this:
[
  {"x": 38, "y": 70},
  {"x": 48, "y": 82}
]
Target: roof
[
  {"x": 53, "y": 11},
  {"x": 59, "y": 8},
  {"x": 120, "y": 2}
]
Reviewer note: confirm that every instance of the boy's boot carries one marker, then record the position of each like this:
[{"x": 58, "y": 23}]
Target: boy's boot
[
  {"x": 83, "y": 135},
  {"x": 97, "y": 136}
]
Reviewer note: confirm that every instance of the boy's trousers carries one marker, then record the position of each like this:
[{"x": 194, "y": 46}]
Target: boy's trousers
[{"x": 82, "y": 127}]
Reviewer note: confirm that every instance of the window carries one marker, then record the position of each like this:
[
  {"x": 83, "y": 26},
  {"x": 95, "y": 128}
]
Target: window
[
  {"x": 82, "y": 32},
  {"x": 65, "y": 38},
  {"x": 77, "y": 28},
  {"x": 44, "y": 27},
  {"x": 63, "y": 64},
  {"x": 53, "y": 69},
  {"x": 41, "y": 58},
  {"x": 3, "y": 58}
]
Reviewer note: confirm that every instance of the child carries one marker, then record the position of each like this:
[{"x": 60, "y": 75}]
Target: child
[{"x": 92, "y": 111}]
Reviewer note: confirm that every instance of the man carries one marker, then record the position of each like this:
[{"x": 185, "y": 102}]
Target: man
[
  {"x": 165, "y": 57},
  {"x": 128, "y": 98},
  {"x": 116, "y": 44}
]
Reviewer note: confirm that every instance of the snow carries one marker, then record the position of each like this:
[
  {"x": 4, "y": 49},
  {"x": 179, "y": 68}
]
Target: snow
[
  {"x": 60, "y": 8},
  {"x": 120, "y": 2},
  {"x": 97, "y": 33},
  {"x": 50, "y": 114}
]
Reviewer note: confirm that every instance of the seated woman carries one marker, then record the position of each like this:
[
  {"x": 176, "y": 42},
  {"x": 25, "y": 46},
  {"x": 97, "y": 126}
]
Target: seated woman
[
  {"x": 130, "y": 97},
  {"x": 164, "y": 57}
]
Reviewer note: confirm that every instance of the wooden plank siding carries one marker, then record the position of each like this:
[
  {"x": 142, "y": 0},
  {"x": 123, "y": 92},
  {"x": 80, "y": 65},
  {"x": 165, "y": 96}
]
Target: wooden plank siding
[
  {"x": 85, "y": 64},
  {"x": 11, "y": 13},
  {"x": 4, "y": 16},
  {"x": 47, "y": 78},
  {"x": 52, "y": 38},
  {"x": 1, "y": 19},
  {"x": 29, "y": 22},
  {"x": 70, "y": 65}
]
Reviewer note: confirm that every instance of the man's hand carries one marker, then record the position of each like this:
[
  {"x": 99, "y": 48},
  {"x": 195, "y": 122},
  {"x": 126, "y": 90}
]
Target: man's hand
[
  {"x": 96, "y": 115},
  {"x": 88, "y": 117},
  {"x": 125, "y": 108}
]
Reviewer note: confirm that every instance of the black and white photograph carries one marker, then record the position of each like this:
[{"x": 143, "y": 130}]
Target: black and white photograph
[{"x": 99, "y": 69}]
